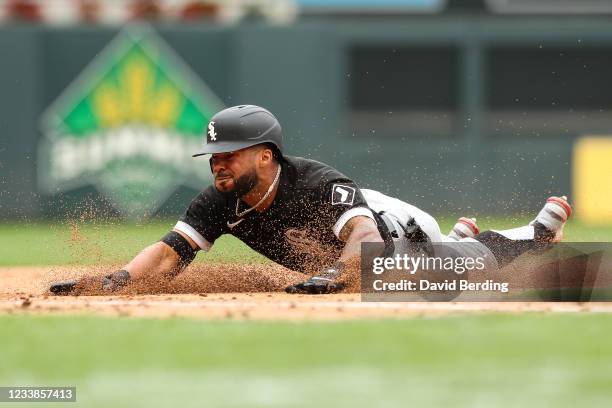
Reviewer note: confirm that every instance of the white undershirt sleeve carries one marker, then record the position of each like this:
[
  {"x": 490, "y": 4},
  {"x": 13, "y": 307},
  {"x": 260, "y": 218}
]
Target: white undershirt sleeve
[
  {"x": 346, "y": 216},
  {"x": 193, "y": 234}
]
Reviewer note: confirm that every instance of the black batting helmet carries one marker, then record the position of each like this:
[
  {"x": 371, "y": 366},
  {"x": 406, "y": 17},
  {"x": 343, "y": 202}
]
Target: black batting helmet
[{"x": 239, "y": 127}]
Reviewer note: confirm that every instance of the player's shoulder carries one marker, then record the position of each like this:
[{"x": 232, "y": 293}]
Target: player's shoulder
[{"x": 308, "y": 173}]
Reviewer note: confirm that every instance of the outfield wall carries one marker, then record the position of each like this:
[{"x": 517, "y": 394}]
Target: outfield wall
[{"x": 454, "y": 114}]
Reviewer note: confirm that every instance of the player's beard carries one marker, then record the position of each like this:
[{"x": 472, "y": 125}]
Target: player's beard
[{"x": 242, "y": 185}]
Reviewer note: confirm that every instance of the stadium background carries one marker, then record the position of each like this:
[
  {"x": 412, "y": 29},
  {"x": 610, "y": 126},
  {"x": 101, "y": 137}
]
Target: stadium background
[
  {"x": 456, "y": 110},
  {"x": 477, "y": 108}
]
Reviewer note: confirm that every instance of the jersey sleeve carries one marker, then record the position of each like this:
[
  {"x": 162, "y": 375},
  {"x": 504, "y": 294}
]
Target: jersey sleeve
[
  {"x": 343, "y": 200},
  {"x": 203, "y": 219}
]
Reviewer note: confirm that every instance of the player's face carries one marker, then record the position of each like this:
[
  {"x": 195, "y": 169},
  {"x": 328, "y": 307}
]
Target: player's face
[{"x": 234, "y": 172}]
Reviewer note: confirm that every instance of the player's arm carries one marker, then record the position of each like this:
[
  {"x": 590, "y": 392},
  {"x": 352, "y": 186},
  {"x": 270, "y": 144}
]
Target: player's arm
[
  {"x": 165, "y": 258},
  {"x": 161, "y": 260},
  {"x": 196, "y": 230},
  {"x": 358, "y": 229}
]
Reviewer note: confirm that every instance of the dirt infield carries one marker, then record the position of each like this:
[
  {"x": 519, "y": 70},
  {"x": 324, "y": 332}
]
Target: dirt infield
[{"x": 227, "y": 292}]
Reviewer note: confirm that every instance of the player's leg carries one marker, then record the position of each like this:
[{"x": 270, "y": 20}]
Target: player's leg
[
  {"x": 405, "y": 217},
  {"x": 401, "y": 214},
  {"x": 464, "y": 228},
  {"x": 546, "y": 228}
]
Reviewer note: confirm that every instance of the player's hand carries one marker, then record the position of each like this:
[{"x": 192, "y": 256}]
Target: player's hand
[
  {"x": 63, "y": 288},
  {"x": 114, "y": 281},
  {"x": 325, "y": 282}
]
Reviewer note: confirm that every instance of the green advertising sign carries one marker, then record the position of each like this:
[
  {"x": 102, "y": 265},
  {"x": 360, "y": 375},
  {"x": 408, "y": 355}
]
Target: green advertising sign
[{"x": 128, "y": 125}]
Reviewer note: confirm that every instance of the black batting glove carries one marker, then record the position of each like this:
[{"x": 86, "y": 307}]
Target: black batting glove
[
  {"x": 63, "y": 288},
  {"x": 325, "y": 282},
  {"x": 315, "y": 286}
]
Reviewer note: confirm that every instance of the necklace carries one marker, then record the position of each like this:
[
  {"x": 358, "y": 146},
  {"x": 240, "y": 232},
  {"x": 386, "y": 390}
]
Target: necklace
[{"x": 248, "y": 210}]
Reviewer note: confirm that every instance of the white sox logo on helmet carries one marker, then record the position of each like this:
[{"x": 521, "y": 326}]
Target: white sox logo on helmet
[{"x": 211, "y": 132}]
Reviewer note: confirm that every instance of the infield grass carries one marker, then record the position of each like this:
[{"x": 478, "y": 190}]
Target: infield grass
[
  {"x": 478, "y": 360},
  {"x": 86, "y": 244},
  {"x": 91, "y": 244}
]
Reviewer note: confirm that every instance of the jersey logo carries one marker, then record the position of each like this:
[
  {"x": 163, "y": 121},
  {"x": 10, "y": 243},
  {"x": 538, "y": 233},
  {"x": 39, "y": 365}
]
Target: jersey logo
[
  {"x": 233, "y": 224},
  {"x": 343, "y": 194},
  {"x": 211, "y": 132}
]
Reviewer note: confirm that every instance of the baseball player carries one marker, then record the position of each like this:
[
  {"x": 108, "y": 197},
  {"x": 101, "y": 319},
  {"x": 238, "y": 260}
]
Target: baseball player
[{"x": 305, "y": 215}]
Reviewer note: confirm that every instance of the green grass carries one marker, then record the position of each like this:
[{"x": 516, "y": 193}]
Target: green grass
[
  {"x": 61, "y": 244},
  {"x": 87, "y": 244},
  {"x": 485, "y": 360},
  {"x": 480, "y": 360}
]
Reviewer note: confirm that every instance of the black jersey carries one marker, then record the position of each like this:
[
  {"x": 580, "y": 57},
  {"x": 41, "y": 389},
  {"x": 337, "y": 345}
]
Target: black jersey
[{"x": 299, "y": 230}]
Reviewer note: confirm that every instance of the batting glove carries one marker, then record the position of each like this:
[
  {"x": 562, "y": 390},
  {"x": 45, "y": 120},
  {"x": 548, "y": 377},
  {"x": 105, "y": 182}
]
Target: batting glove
[
  {"x": 320, "y": 284},
  {"x": 63, "y": 288}
]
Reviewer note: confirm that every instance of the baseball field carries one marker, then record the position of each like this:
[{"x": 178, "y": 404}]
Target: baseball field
[{"x": 224, "y": 334}]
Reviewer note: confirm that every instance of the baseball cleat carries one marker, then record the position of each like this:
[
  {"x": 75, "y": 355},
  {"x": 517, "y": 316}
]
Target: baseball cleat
[
  {"x": 464, "y": 228},
  {"x": 63, "y": 288},
  {"x": 553, "y": 217}
]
